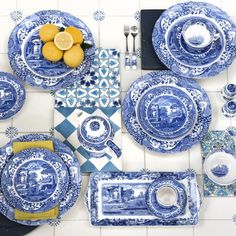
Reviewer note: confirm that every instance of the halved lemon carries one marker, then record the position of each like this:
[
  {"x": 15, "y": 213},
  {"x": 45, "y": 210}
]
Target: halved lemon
[{"x": 63, "y": 40}]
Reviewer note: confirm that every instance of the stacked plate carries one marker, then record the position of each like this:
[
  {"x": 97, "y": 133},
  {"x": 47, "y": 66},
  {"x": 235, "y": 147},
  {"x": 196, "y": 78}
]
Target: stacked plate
[
  {"x": 165, "y": 112},
  {"x": 37, "y": 180},
  {"x": 195, "y": 39}
]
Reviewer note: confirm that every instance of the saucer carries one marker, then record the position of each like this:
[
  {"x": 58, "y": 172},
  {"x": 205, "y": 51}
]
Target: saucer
[
  {"x": 12, "y": 95},
  {"x": 34, "y": 180},
  {"x": 166, "y": 198},
  {"x": 26, "y": 59},
  {"x": 165, "y": 112},
  {"x": 220, "y": 167},
  {"x": 171, "y": 50}
]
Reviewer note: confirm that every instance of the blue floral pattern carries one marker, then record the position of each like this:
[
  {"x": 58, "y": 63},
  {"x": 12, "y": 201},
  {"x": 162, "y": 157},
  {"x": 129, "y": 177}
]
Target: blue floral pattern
[
  {"x": 99, "y": 88},
  {"x": 11, "y": 132},
  {"x": 99, "y": 15},
  {"x": 213, "y": 141},
  {"x": 16, "y": 15}
]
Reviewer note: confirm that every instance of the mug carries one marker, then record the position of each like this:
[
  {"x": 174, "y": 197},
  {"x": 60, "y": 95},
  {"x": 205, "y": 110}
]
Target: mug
[{"x": 229, "y": 91}]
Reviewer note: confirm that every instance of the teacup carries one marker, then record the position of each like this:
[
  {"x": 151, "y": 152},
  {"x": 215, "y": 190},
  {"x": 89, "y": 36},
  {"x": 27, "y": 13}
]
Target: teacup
[
  {"x": 229, "y": 91},
  {"x": 229, "y": 109},
  {"x": 166, "y": 196},
  {"x": 198, "y": 35}
]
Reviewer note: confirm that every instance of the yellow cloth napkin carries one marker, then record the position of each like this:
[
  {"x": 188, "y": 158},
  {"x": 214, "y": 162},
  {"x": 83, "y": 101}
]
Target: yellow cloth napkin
[{"x": 52, "y": 213}]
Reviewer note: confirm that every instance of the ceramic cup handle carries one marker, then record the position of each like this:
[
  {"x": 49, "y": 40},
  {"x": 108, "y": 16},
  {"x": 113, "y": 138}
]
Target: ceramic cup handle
[{"x": 114, "y": 148}]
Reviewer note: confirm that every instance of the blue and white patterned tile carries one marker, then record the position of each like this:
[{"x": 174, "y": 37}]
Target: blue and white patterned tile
[
  {"x": 99, "y": 15},
  {"x": 16, "y": 15},
  {"x": 213, "y": 141},
  {"x": 100, "y": 88},
  {"x": 11, "y": 132},
  {"x": 66, "y": 124}
]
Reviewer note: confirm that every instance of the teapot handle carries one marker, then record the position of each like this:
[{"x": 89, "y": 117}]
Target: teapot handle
[{"x": 114, "y": 147}]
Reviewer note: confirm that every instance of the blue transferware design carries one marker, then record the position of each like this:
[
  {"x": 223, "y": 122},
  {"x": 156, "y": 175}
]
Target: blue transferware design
[
  {"x": 220, "y": 170},
  {"x": 229, "y": 91},
  {"x": 121, "y": 198},
  {"x": 66, "y": 123},
  {"x": 72, "y": 165},
  {"x": 217, "y": 141},
  {"x": 165, "y": 211},
  {"x": 172, "y": 50},
  {"x": 229, "y": 109},
  {"x": 95, "y": 134},
  {"x": 26, "y": 59},
  {"x": 99, "y": 88},
  {"x": 165, "y": 112},
  {"x": 12, "y": 95},
  {"x": 34, "y": 180}
]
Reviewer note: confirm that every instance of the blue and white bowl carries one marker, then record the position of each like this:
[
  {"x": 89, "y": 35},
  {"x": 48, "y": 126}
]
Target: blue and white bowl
[
  {"x": 229, "y": 91},
  {"x": 12, "y": 95},
  {"x": 229, "y": 109}
]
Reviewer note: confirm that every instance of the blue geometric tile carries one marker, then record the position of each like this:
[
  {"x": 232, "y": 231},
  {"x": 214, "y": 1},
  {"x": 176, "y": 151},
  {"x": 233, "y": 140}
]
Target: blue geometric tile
[
  {"x": 100, "y": 88},
  {"x": 66, "y": 128}
]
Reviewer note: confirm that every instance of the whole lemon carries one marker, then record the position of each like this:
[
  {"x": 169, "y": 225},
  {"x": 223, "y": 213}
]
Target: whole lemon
[
  {"x": 48, "y": 32},
  {"x": 74, "y": 56},
  {"x": 51, "y": 52},
  {"x": 76, "y": 34}
]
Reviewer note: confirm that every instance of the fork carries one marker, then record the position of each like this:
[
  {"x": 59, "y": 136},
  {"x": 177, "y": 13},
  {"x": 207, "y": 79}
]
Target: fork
[
  {"x": 127, "y": 58},
  {"x": 134, "y": 33}
]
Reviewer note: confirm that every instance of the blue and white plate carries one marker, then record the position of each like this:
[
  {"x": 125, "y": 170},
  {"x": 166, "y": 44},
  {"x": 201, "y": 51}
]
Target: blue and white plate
[
  {"x": 12, "y": 95},
  {"x": 26, "y": 59},
  {"x": 34, "y": 180},
  {"x": 166, "y": 112},
  {"x": 170, "y": 47},
  {"x": 73, "y": 167}
]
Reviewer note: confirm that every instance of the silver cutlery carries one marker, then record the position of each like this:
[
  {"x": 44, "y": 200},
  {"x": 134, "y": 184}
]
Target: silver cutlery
[
  {"x": 134, "y": 33},
  {"x": 127, "y": 57}
]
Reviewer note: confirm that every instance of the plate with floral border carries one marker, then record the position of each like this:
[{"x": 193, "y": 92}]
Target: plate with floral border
[
  {"x": 165, "y": 112},
  {"x": 24, "y": 51},
  {"x": 73, "y": 167},
  {"x": 34, "y": 180},
  {"x": 167, "y": 39},
  {"x": 12, "y": 95}
]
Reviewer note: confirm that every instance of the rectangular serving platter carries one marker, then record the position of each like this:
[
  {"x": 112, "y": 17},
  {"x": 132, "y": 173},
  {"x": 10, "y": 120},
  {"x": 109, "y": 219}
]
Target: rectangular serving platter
[{"x": 109, "y": 200}]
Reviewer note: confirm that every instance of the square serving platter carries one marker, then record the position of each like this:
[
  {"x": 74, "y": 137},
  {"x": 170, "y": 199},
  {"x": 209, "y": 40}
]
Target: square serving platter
[{"x": 120, "y": 211}]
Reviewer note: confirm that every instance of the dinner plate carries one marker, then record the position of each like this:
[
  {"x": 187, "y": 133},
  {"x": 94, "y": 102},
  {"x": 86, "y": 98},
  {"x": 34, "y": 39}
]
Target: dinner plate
[
  {"x": 26, "y": 59},
  {"x": 170, "y": 47},
  {"x": 34, "y": 180},
  {"x": 220, "y": 167},
  {"x": 12, "y": 95},
  {"x": 73, "y": 167},
  {"x": 166, "y": 112},
  {"x": 166, "y": 198}
]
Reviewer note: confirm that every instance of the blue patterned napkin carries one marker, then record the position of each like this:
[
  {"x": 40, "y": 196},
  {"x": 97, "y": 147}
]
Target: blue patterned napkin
[
  {"x": 100, "y": 88},
  {"x": 66, "y": 122},
  {"x": 213, "y": 141}
]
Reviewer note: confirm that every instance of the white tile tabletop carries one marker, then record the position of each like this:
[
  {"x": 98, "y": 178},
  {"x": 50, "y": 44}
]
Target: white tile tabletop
[{"x": 106, "y": 19}]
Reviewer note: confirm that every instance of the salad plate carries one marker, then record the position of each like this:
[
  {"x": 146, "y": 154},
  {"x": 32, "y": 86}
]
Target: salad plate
[
  {"x": 34, "y": 180},
  {"x": 12, "y": 95},
  {"x": 26, "y": 59},
  {"x": 220, "y": 167},
  {"x": 195, "y": 39},
  {"x": 143, "y": 198},
  {"x": 73, "y": 168},
  {"x": 165, "y": 112},
  {"x": 95, "y": 134}
]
